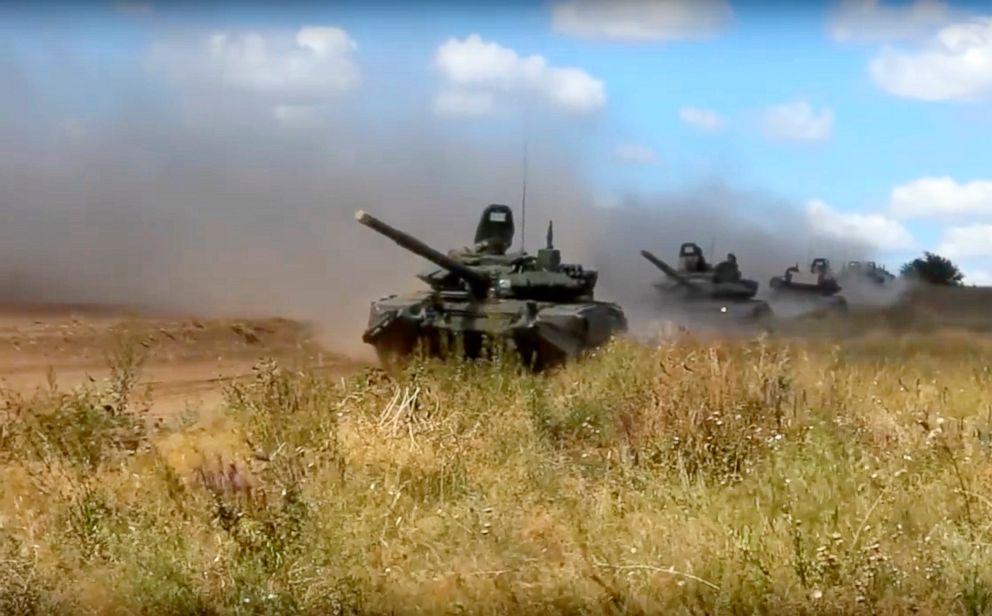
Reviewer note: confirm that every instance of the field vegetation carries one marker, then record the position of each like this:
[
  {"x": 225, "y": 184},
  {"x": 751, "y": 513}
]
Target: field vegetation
[{"x": 749, "y": 476}]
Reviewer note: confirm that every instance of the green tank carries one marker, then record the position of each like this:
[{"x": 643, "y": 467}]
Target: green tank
[
  {"x": 814, "y": 290},
  {"x": 697, "y": 289},
  {"x": 867, "y": 271},
  {"x": 482, "y": 296}
]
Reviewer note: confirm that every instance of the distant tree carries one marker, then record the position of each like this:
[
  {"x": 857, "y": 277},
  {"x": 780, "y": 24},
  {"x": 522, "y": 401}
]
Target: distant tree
[{"x": 933, "y": 269}]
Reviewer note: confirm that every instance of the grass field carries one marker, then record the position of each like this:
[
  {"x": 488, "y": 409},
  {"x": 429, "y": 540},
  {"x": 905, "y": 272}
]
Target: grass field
[{"x": 755, "y": 476}]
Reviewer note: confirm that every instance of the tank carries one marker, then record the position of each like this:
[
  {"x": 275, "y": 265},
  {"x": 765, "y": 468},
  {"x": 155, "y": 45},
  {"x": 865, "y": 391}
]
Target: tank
[
  {"x": 698, "y": 289},
  {"x": 811, "y": 290},
  {"x": 866, "y": 271},
  {"x": 480, "y": 297}
]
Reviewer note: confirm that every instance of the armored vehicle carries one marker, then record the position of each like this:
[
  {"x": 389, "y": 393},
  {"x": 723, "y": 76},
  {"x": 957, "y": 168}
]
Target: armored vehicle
[
  {"x": 699, "y": 289},
  {"x": 483, "y": 296},
  {"x": 866, "y": 271},
  {"x": 816, "y": 287}
]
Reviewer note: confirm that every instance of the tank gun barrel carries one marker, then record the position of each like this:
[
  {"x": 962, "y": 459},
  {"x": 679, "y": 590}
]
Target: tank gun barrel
[
  {"x": 477, "y": 281},
  {"x": 667, "y": 269}
]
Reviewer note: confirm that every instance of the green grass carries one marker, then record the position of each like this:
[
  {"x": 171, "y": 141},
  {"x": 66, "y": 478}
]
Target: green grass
[{"x": 740, "y": 477}]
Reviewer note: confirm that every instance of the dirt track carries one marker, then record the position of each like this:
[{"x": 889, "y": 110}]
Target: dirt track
[{"x": 188, "y": 359}]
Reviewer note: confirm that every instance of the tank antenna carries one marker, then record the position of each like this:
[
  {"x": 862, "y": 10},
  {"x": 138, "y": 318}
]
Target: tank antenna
[{"x": 523, "y": 206}]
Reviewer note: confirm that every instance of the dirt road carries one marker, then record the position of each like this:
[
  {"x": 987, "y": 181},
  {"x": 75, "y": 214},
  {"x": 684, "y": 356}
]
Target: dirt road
[{"x": 189, "y": 360}]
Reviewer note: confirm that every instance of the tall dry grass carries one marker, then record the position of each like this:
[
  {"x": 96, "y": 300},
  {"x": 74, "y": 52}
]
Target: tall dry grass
[{"x": 739, "y": 477}]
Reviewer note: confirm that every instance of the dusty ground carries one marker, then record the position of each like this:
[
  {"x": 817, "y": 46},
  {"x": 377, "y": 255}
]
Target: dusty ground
[{"x": 188, "y": 359}]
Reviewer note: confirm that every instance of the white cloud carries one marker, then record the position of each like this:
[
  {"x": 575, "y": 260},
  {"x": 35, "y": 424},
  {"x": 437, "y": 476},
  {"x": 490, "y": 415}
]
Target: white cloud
[
  {"x": 312, "y": 65},
  {"x": 797, "y": 121},
  {"x": 870, "y": 229},
  {"x": 478, "y": 72},
  {"x": 636, "y": 154},
  {"x": 942, "y": 197},
  {"x": 641, "y": 20},
  {"x": 967, "y": 241},
  {"x": 978, "y": 277},
  {"x": 955, "y": 65},
  {"x": 874, "y": 20},
  {"x": 704, "y": 119}
]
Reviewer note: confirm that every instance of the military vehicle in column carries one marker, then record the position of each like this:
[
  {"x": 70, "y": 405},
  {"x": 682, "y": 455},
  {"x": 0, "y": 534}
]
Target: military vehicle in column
[
  {"x": 484, "y": 297},
  {"x": 866, "y": 271},
  {"x": 717, "y": 294},
  {"x": 814, "y": 290}
]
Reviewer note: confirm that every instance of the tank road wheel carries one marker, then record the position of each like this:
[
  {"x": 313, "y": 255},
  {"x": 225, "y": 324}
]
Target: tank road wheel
[
  {"x": 393, "y": 354},
  {"x": 763, "y": 317},
  {"x": 541, "y": 356},
  {"x": 390, "y": 360}
]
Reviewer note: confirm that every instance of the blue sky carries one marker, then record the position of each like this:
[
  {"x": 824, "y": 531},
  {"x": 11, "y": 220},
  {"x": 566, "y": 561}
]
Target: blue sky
[{"x": 834, "y": 106}]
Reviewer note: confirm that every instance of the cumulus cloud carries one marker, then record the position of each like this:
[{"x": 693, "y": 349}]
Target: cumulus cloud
[
  {"x": 703, "y": 119},
  {"x": 797, "y": 121},
  {"x": 978, "y": 277},
  {"x": 641, "y": 20},
  {"x": 312, "y": 65},
  {"x": 942, "y": 197},
  {"x": 954, "y": 65},
  {"x": 635, "y": 154},
  {"x": 873, "y": 20},
  {"x": 478, "y": 72},
  {"x": 870, "y": 229},
  {"x": 967, "y": 241}
]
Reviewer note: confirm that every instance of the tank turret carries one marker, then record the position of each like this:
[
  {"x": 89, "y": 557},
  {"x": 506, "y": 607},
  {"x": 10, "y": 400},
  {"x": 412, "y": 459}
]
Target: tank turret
[
  {"x": 818, "y": 278},
  {"x": 699, "y": 290},
  {"x": 811, "y": 290},
  {"x": 543, "y": 307},
  {"x": 477, "y": 281},
  {"x": 669, "y": 270},
  {"x": 703, "y": 284}
]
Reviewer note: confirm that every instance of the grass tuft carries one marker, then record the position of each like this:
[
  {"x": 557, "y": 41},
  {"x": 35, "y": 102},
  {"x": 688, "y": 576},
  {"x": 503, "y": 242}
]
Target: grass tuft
[{"x": 755, "y": 476}]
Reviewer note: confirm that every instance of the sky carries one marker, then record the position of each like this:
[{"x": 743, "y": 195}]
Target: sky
[{"x": 872, "y": 118}]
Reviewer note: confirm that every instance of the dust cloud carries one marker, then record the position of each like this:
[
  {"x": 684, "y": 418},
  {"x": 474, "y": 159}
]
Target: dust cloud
[{"x": 169, "y": 204}]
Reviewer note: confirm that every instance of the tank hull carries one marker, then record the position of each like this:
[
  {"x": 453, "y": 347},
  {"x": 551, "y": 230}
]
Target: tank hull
[
  {"x": 798, "y": 302},
  {"x": 542, "y": 334},
  {"x": 724, "y": 317},
  {"x": 826, "y": 289},
  {"x": 724, "y": 302},
  {"x": 749, "y": 310}
]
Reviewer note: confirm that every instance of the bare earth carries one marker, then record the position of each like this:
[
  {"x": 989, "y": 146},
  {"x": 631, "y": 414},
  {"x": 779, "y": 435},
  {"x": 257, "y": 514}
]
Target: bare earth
[{"x": 189, "y": 359}]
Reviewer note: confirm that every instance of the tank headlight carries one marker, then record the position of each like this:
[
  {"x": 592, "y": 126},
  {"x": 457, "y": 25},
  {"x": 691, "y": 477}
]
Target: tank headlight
[
  {"x": 503, "y": 284},
  {"x": 723, "y": 309}
]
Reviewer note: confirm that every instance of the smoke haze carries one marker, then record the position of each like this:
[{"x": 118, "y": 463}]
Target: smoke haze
[{"x": 205, "y": 202}]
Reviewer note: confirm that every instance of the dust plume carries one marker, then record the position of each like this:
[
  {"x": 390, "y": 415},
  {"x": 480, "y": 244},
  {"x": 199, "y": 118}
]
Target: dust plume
[
  {"x": 766, "y": 233},
  {"x": 203, "y": 203},
  {"x": 228, "y": 211}
]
